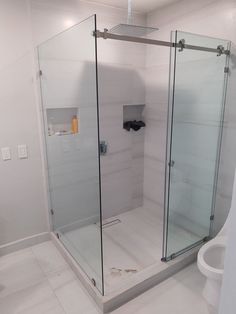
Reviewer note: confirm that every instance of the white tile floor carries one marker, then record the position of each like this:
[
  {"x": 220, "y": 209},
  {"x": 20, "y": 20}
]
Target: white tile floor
[
  {"x": 38, "y": 281},
  {"x": 129, "y": 247}
]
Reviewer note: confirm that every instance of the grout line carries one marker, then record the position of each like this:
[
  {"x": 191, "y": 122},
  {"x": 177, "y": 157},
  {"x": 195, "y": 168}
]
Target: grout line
[
  {"x": 42, "y": 280},
  {"x": 46, "y": 277},
  {"x": 60, "y": 303},
  {"x": 76, "y": 279}
]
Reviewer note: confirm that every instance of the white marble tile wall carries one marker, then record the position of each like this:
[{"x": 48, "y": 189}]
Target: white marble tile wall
[
  {"x": 186, "y": 16},
  {"x": 122, "y": 166},
  {"x": 195, "y": 140},
  {"x": 155, "y": 132}
]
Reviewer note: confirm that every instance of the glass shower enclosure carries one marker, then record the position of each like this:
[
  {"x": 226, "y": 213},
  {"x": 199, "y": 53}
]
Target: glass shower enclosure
[
  {"x": 198, "y": 82},
  {"x": 69, "y": 91},
  {"x": 66, "y": 67}
]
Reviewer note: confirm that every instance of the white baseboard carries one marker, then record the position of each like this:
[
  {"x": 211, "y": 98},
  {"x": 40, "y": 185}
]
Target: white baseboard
[{"x": 24, "y": 243}]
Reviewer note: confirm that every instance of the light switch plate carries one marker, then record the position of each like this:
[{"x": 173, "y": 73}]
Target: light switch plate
[
  {"x": 6, "y": 153},
  {"x": 22, "y": 151}
]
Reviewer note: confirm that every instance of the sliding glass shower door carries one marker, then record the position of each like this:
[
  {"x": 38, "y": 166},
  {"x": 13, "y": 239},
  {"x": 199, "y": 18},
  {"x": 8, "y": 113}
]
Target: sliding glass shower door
[
  {"x": 68, "y": 75},
  {"x": 196, "y": 109}
]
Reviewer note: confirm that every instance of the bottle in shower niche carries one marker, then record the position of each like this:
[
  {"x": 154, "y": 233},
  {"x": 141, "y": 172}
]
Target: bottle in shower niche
[
  {"x": 74, "y": 125},
  {"x": 50, "y": 127}
]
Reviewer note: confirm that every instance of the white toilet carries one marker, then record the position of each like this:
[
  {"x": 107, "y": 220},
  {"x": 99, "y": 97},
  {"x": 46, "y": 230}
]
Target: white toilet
[{"x": 211, "y": 264}]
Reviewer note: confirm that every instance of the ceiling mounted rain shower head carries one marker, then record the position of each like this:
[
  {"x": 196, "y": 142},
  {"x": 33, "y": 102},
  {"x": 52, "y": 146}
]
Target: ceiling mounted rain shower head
[
  {"x": 132, "y": 30},
  {"x": 129, "y": 29}
]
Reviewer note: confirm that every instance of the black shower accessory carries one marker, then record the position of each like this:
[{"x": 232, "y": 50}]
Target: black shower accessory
[{"x": 134, "y": 125}]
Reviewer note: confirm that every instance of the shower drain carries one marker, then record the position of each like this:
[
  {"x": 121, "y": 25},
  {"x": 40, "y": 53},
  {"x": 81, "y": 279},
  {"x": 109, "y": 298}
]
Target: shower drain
[{"x": 109, "y": 223}]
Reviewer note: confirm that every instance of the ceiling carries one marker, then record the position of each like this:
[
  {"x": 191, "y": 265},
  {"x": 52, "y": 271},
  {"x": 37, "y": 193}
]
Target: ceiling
[{"x": 143, "y": 6}]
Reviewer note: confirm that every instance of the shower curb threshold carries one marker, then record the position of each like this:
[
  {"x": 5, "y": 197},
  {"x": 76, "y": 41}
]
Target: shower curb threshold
[{"x": 142, "y": 282}]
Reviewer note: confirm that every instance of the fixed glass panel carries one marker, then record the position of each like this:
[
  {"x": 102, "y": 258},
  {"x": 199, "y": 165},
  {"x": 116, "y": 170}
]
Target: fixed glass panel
[
  {"x": 69, "y": 95},
  {"x": 195, "y": 124}
]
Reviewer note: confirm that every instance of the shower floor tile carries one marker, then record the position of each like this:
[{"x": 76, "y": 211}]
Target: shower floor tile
[{"x": 129, "y": 246}]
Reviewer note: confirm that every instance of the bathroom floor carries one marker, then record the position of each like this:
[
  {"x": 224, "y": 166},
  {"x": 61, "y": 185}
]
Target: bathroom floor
[
  {"x": 131, "y": 244},
  {"x": 37, "y": 280}
]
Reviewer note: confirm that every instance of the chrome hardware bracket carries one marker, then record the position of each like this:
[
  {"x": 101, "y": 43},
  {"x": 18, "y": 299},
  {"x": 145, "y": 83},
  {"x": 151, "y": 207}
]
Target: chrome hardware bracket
[
  {"x": 181, "y": 45},
  {"x": 103, "y": 148}
]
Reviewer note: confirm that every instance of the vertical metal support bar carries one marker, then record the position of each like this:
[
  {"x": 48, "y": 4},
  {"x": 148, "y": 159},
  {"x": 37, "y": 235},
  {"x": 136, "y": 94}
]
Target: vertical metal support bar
[
  {"x": 44, "y": 138},
  {"x": 169, "y": 130},
  {"x": 98, "y": 146},
  {"x": 220, "y": 137}
]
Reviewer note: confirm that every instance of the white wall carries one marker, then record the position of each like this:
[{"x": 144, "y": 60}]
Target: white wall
[
  {"x": 204, "y": 17},
  {"x": 228, "y": 301},
  {"x": 22, "y": 197}
]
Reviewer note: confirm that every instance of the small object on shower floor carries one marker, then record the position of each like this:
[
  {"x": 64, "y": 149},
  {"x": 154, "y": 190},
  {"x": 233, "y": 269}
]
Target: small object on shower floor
[
  {"x": 133, "y": 271},
  {"x": 118, "y": 272}
]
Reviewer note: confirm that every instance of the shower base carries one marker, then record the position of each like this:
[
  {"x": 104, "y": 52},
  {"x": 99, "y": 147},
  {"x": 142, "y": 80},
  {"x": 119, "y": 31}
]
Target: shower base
[{"x": 132, "y": 244}]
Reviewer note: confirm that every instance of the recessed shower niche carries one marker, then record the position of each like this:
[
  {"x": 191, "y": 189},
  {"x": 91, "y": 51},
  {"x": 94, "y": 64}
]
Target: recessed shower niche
[
  {"x": 62, "y": 121},
  {"x": 133, "y": 117},
  {"x": 147, "y": 179}
]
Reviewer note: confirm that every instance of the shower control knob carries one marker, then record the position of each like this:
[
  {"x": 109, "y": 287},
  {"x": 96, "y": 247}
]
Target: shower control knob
[{"x": 171, "y": 163}]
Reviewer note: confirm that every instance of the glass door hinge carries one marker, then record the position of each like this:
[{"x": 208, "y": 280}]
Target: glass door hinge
[
  {"x": 93, "y": 282},
  {"x": 212, "y": 217},
  {"x": 226, "y": 70},
  {"x": 52, "y": 212},
  {"x": 40, "y": 72},
  {"x": 103, "y": 148}
]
